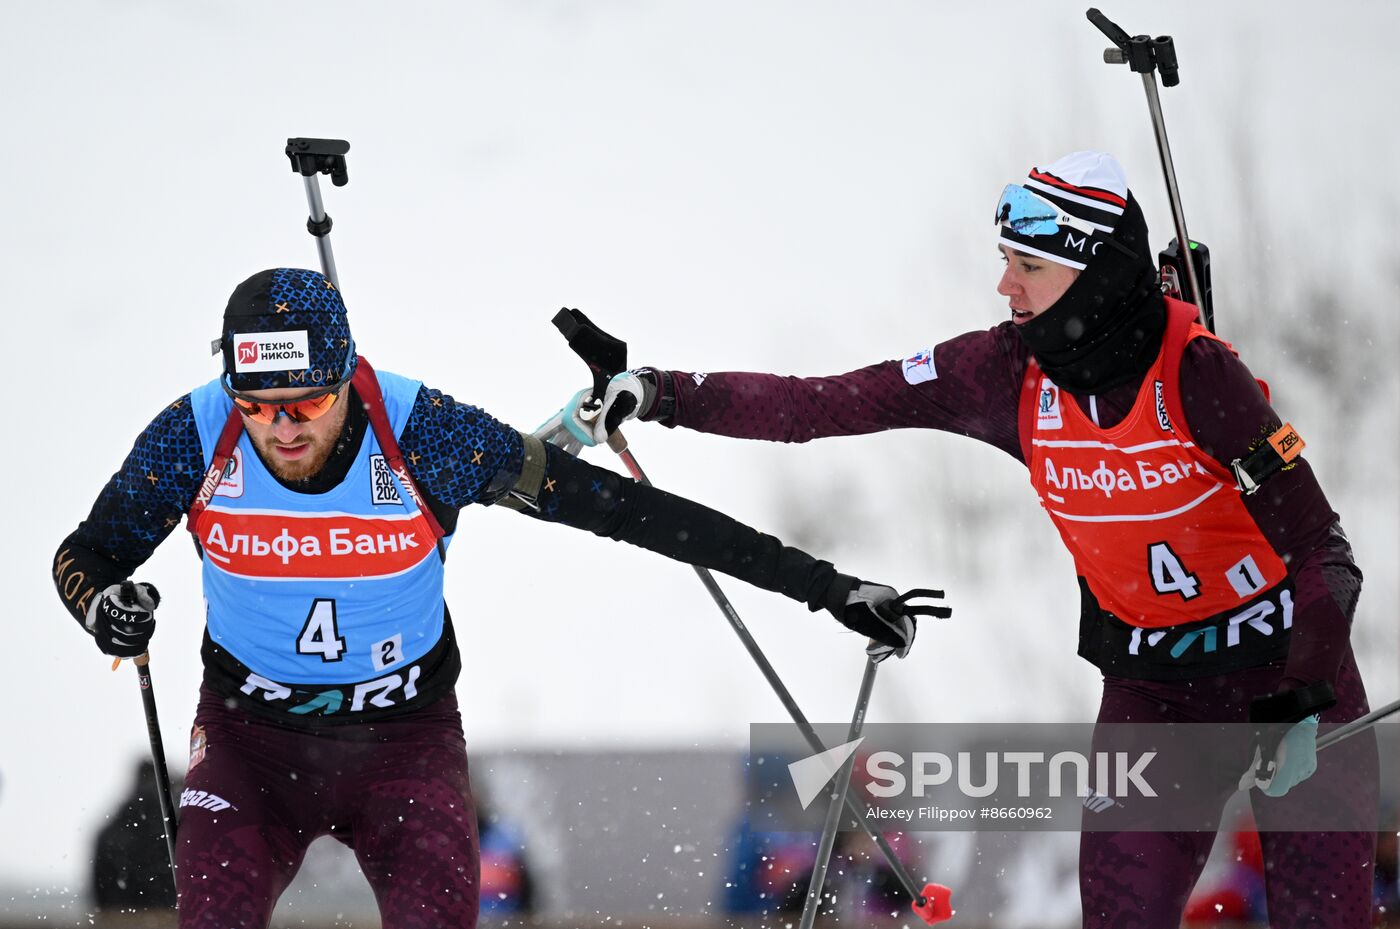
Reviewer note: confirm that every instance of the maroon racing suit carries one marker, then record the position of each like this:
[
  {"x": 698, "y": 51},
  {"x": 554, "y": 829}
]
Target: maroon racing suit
[
  {"x": 394, "y": 790},
  {"x": 972, "y": 385}
]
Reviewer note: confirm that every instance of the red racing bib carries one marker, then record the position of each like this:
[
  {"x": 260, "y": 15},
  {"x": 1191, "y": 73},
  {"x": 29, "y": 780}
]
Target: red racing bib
[{"x": 1157, "y": 527}]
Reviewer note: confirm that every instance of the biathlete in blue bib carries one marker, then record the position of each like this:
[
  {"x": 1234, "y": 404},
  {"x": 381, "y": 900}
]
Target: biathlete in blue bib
[{"x": 322, "y": 497}]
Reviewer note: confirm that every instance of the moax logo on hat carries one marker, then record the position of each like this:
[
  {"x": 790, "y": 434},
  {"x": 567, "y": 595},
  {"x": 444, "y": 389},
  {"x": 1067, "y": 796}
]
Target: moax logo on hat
[
  {"x": 270, "y": 351},
  {"x": 1073, "y": 243}
]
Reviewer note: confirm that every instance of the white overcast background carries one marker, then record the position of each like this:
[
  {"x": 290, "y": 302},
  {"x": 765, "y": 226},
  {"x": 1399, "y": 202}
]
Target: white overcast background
[{"x": 800, "y": 187}]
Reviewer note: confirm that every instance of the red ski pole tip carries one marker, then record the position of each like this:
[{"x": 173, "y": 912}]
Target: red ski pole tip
[{"x": 937, "y": 905}]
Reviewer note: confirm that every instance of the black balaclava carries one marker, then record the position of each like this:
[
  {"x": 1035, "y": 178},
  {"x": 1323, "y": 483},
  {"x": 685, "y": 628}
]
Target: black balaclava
[{"x": 1106, "y": 330}]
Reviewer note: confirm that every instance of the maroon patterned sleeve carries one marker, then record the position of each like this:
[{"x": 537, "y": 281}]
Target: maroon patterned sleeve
[
  {"x": 1228, "y": 415},
  {"x": 967, "y": 385}
]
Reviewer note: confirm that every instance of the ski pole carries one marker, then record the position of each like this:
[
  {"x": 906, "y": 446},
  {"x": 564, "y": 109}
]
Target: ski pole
[
  {"x": 606, "y": 356},
  {"x": 1144, "y": 55},
  {"x": 1340, "y": 734},
  {"x": 163, "y": 791},
  {"x": 1360, "y": 724},
  {"x": 148, "y": 703},
  {"x": 312, "y": 157},
  {"x": 840, "y": 784}
]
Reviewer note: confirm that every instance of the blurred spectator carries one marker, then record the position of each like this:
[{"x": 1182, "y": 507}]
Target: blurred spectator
[
  {"x": 769, "y": 871},
  {"x": 506, "y": 886},
  {"x": 862, "y": 880},
  {"x": 1387, "y": 897},
  {"x": 130, "y": 865}
]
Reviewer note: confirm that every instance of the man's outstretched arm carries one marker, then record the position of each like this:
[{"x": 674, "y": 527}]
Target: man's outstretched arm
[{"x": 465, "y": 456}]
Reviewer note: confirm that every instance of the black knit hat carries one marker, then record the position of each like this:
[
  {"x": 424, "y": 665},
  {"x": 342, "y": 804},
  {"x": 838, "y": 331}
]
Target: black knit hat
[{"x": 286, "y": 327}]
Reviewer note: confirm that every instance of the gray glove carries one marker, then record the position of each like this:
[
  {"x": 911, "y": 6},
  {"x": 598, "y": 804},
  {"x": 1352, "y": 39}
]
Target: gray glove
[{"x": 884, "y": 615}]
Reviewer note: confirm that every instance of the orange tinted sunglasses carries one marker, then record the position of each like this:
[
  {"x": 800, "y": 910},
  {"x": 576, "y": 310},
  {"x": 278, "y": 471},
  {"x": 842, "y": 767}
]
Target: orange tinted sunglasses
[{"x": 298, "y": 411}]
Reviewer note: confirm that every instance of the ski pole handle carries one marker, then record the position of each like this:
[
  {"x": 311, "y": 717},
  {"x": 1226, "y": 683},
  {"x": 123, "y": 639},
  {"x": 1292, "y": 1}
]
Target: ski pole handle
[
  {"x": 604, "y": 354},
  {"x": 310, "y": 158}
]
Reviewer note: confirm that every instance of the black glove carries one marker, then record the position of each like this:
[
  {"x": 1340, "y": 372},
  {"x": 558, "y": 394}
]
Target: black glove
[
  {"x": 123, "y": 619},
  {"x": 882, "y": 613}
]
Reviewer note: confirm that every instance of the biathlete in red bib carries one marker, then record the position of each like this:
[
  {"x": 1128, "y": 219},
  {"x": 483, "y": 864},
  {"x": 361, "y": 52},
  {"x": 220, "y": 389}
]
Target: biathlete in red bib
[
  {"x": 1141, "y": 432},
  {"x": 322, "y": 496}
]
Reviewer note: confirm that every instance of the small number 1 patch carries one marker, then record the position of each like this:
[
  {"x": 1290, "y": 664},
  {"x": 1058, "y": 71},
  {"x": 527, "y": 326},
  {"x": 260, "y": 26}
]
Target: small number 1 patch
[{"x": 1287, "y": 442}]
